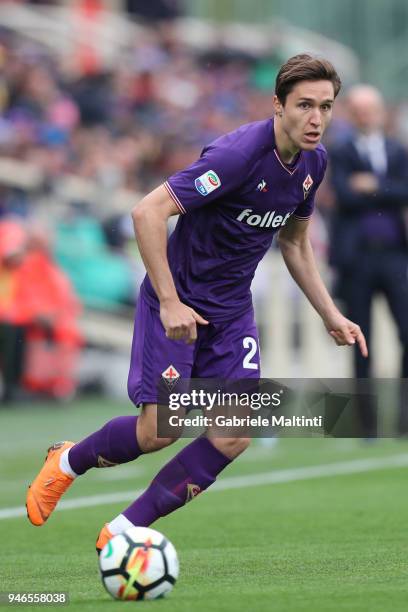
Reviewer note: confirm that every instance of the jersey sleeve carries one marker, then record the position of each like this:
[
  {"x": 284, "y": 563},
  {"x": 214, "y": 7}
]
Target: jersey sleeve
[
  {"x": 305, "y": 210},
  {"x": 219, "y": 170}
]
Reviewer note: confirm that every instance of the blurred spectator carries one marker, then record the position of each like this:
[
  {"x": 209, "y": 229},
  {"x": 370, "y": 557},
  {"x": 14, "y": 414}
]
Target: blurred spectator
[
  {"x": 38, "y": 317},
  {"x": 369, "y": 242},
  {"x": 12, "y": 316},
  {"x": 144, "y": 118},
  {"x": 154, "y": 10},
  {"x": 125, "y": 127},
  {"x": 101, "y": 277}
]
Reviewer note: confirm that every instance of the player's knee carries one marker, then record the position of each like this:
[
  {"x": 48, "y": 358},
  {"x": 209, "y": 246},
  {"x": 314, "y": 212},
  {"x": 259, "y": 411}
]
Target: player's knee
[
  {"x": 147, "y": 436},
  {"x": 153, "y": 443},
  {"x": 149, "y": 442},
  {"x": 232, "y": 447}
]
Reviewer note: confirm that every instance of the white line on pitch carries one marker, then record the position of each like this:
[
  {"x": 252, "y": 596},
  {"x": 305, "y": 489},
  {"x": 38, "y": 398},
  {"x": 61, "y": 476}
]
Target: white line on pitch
[
  {"x": 126, "y": 472},
  {"x": 239, "y": 482}
]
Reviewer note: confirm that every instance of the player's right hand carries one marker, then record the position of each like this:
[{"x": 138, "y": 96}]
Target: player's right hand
[{"x": 180, "y": 321}]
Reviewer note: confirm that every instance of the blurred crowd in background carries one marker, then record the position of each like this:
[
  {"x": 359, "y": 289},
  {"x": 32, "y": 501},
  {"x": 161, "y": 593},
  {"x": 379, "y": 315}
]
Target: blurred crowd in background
[
  {"x": 122, "y": 129},
  {"x": 75, "y": 138}
]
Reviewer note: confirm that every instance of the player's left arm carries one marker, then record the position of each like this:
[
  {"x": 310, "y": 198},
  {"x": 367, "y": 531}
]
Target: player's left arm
[{"x": 296, "y": 249}]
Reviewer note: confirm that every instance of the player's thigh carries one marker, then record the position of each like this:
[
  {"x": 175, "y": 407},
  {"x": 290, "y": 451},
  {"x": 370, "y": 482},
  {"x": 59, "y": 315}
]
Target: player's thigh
[
  {"x": 154, "y": 357},
  {"x": 229, "y": 350}
]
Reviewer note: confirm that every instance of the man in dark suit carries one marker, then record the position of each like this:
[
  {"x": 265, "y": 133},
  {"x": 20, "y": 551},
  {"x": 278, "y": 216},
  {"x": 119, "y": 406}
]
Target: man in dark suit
[{"x": 368, "y": 245}]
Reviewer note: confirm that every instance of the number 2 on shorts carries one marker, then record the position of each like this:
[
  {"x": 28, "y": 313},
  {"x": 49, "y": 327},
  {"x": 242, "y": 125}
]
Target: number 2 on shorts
[{"x": 251, "y": 344}]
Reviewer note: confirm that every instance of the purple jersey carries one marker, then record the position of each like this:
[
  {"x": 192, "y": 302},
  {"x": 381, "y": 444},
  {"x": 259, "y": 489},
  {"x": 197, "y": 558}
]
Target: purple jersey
[{"x": 232, "y": 201}]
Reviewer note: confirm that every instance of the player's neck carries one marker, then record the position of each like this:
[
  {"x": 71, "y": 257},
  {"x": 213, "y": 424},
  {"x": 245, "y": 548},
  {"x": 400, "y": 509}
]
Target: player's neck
[{"x": 287, "y": 150}]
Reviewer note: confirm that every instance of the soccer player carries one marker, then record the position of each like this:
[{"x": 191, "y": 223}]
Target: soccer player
[{"x": 194, "y": 311}]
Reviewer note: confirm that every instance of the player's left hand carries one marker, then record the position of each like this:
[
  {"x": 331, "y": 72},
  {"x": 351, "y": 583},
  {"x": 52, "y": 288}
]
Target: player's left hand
[{"x": 345, "y": 332}]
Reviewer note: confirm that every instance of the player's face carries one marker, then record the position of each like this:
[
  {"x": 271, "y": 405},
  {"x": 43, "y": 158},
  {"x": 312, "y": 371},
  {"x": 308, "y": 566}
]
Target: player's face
[{"x": 305, "y": 115}]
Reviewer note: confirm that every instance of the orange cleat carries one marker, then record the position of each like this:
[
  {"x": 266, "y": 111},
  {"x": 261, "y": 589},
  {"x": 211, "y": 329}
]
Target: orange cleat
[
  {"x": 51, "y": 483},
  {"x": 104, "y": 536}
]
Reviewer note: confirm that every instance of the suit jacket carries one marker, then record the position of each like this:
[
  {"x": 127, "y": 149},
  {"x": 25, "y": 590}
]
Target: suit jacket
[{"x": 392, "y": 195}]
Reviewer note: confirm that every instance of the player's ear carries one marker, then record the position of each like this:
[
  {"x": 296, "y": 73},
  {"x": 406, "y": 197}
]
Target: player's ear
[{"x": 277, "y": 106}]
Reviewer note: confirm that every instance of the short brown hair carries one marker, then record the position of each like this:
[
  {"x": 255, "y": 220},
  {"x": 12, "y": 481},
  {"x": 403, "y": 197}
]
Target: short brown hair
[{"x": 304, "y": 67}]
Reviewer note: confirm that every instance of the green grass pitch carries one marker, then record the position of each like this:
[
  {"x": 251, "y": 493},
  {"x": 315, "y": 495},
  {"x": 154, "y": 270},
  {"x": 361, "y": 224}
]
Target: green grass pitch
[{"x": 330, "y": 543}]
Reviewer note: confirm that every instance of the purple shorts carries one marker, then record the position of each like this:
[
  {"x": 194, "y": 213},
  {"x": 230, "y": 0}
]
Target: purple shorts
[{"x": 228, "y": 350}]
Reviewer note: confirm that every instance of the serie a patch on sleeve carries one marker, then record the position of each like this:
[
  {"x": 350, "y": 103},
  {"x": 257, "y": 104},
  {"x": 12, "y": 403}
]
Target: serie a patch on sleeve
[{"x": 207, "y": 182}]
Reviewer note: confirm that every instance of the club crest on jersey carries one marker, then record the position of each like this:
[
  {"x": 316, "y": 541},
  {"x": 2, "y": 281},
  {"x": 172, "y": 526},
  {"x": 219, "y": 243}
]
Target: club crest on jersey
[
  {"x": 207, "y": 182},
  {"x": 262, "y": 186},
  {"x": 170, "y": 376},
  {"x": 307, "y": 184}
]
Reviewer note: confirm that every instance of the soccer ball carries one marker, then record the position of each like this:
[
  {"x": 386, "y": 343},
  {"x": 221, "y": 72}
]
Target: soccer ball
[{"x": 139, "y": 564}]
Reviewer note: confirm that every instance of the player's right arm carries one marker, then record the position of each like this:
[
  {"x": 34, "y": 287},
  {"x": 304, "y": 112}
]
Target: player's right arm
[{"x": 150, "y": 218}]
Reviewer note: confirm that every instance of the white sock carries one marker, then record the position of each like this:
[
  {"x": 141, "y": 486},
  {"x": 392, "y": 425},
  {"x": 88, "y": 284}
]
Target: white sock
[
  {"x": 64, "y": 464},
  {"x": 119, "y": 524}
]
